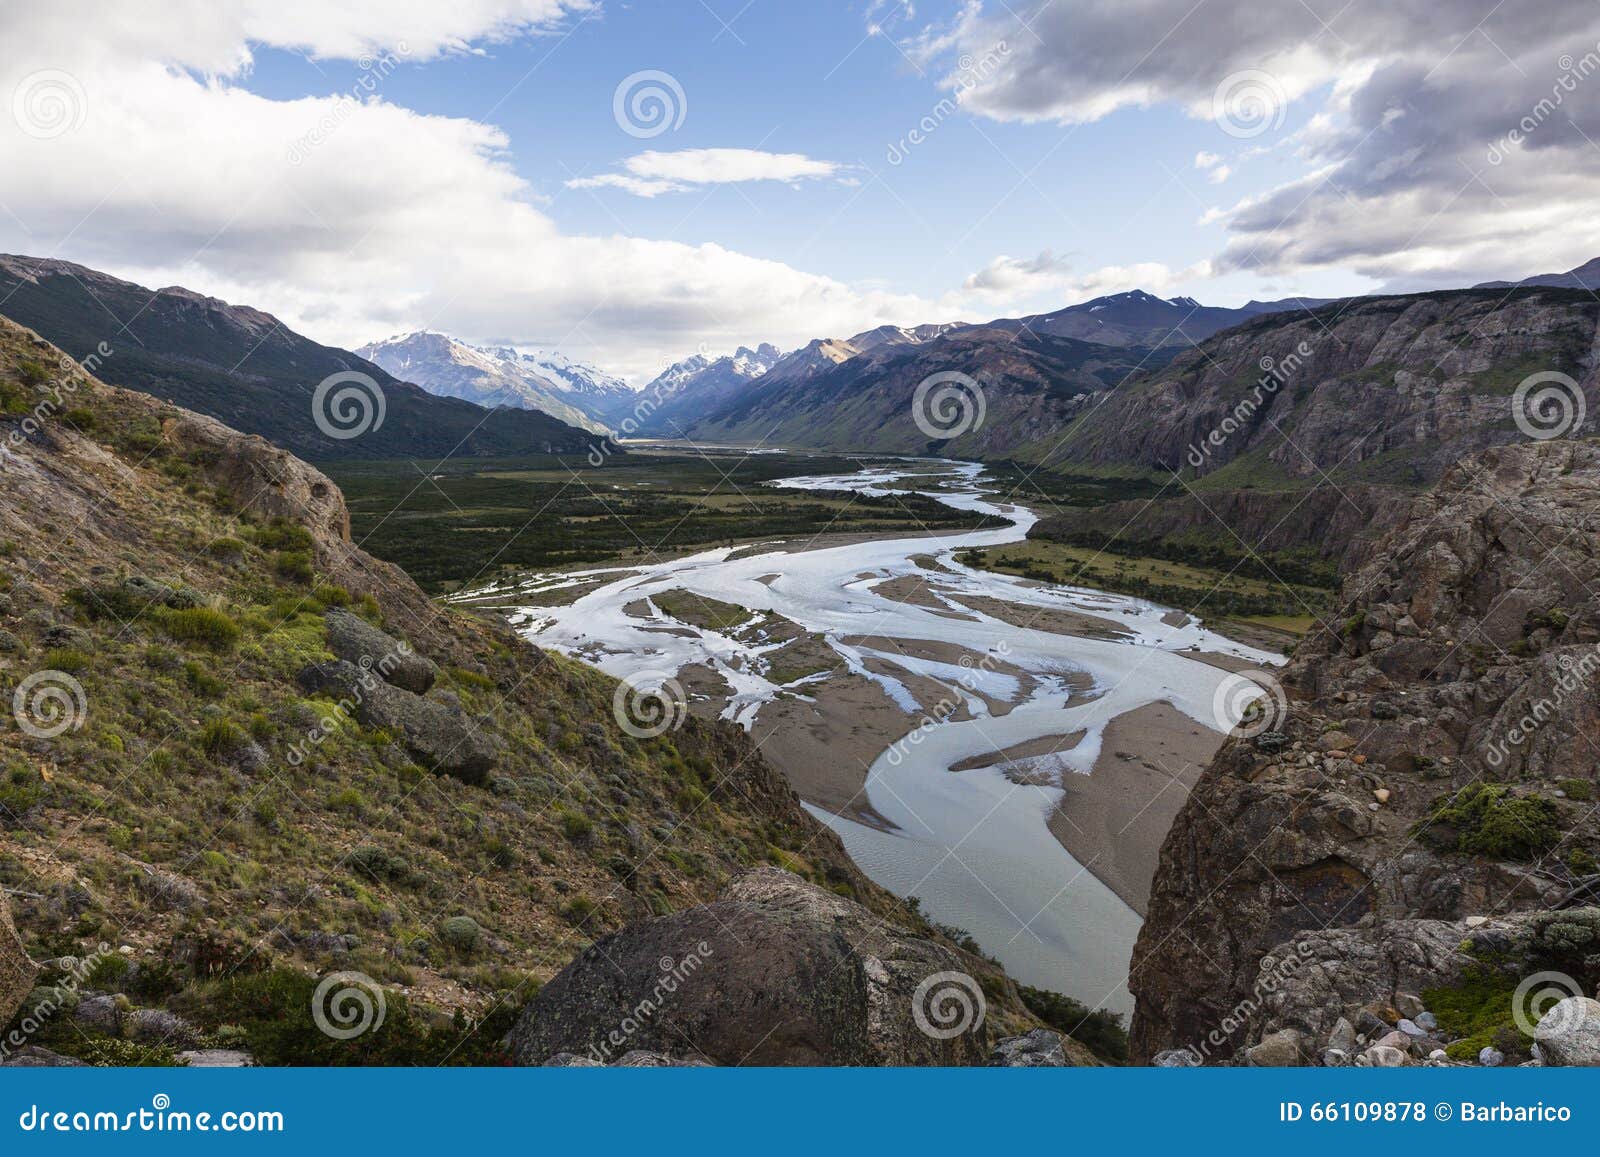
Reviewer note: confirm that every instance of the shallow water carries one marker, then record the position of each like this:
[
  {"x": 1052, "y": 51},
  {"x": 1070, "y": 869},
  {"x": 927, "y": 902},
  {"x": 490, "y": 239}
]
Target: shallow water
[{"x": 972, "y": 845}]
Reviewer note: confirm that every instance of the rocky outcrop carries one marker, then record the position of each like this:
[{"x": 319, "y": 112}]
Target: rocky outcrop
[
  {"x": 1434, "y": 764},
  {"x": 442, "y": 737},
  {"x": 1391, "y": 390},
  {"x": 17, "y": 971},
  {"x": 778, "y": 972},
  {"x": 357, "y": 641}
]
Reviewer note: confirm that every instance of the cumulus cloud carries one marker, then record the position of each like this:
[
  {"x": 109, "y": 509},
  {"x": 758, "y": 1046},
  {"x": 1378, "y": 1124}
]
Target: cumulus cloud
[
  {"x": 652, "y": 173},
  {"x": 1426, "y": 156}
]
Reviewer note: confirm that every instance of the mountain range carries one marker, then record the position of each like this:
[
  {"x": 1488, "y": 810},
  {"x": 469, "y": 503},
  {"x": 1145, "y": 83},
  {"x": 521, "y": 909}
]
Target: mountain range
[
  {"x": 249, "y": 370},
  {"x": 577, "y": 394}
]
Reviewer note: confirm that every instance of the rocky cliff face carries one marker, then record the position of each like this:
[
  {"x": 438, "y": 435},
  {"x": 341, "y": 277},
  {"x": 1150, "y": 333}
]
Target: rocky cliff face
[
  {"x": 1436, "y": 762},
  {"x": 1389, "y": 390}
]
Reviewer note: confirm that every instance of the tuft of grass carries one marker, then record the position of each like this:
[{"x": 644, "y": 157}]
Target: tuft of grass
[{"x": 204, "y": 625}]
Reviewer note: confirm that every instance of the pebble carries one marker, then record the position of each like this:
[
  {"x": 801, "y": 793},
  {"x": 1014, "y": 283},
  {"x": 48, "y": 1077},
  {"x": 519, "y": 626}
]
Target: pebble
[
  {"x": 1476, "y": 921},
  {"x": 1381, "y": 795},
  {"x": 1491, "y": 1057}
]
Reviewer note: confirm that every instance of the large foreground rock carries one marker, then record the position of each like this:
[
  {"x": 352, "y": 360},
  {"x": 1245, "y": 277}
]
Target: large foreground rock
[
  {"x": 778, "y": 972},
  {"x": 16, "y": 969},
  {"x": 357, "y": 641}
]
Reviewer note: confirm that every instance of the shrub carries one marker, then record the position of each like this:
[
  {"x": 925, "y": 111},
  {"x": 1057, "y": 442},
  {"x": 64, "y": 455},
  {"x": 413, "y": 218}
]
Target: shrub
[
  {"x": 32, "y": 373},
  {"x": 461, "y": 933},
  {"x": 220, "y": 737},
  {"x": 68, "y": 659},
  {"x": 576, "y": 827},
  {"x": 203, "y": 625},
  {"x": 294, "y": 565},
  {"x": 1579, "y": 789},
  {"x": 1487, "y": 820}
]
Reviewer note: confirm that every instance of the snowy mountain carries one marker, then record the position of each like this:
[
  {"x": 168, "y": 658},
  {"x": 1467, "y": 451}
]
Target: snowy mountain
[
  {"x": 578, "y": 394},
  {"x": 687, "y": 390}
]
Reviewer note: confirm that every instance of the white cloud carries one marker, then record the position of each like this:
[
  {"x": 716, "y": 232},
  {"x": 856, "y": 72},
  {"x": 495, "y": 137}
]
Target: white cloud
[
  {"x": 1411, "y": 102},
  {"x": 652, "y": 173},
  {"x": 351, "y": 216}
]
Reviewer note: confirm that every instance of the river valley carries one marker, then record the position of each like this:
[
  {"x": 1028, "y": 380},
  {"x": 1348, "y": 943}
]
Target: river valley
[{"x": 1008, "y": 752}]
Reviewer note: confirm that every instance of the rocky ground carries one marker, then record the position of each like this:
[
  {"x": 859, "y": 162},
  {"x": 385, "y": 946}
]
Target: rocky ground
[{"x": 1417, "y": 834}]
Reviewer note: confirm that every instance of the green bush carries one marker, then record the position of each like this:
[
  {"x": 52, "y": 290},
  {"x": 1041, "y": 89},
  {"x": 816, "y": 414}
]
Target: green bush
[
  {"x": 1579, "y": 789},
  {"x": 32, "y": 373},
  {"x": 461, "y": 933},
  {"x": 68, "y": 659},
  {"x": 1098, "y": 1030},
  {"x": 203, "y": 625},
  {"x": 294, "y": 565},
  {"x": 220, "y": 737}
]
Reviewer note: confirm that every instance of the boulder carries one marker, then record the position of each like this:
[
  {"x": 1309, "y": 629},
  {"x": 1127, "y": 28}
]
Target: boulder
[
  {"x": 1039, "y": 1049},
  {"x": 1175, "y": 1059},
  {"x": 34, "y": 1057},
  {"x": 157, "y": 1026},
  {"x": 1285, "y": 1048},
  {"x": 357, "y": 641},
  {"x": 440, "y": 737},
  {"x": 776, "y": 972},
  {"x": 17, "y": 971},
  {"x": 1569, "y": 1033},
  {"x": 100, "y": 1014},
  {"x": 1384, "y": 1057},
  {"x": 216, "y": 1059}
]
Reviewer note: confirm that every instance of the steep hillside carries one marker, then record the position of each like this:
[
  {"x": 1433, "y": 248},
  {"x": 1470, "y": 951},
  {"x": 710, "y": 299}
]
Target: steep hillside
[
  {"x": 247, "y": 754},
  {"x": 1390, "y": 389},
  {"x": 453, "y": 369},
  {"x": 1395, "y": 838},
  {"x": 245, "y": 368},
  {"x": 1027, "y": 386}
]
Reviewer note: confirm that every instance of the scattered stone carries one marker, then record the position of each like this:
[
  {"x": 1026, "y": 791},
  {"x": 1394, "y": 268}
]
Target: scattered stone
[
  {"x": 357, "y": 641},
  {"x": 1569, "y": 1033},
  {"x": 1385, "y": 1057},
  {"x": 1426, "y": 1021},
  {"x": 645, "y": 1059},
  {"x": 1490, "y": 1057},
  {"x": 1411, "y": 1028},
  {"x": 1175, "y": 1059},
  {"x": 1335, "y": 1058},
  {"x": 571, "y": 1061},
  {"x": 1281, "y": 1049},
  {"x": 34, "y": 1057},
  {"x": 1369, "y": 1025},
  {"x": 1408, "y": 1004},
  {"x": 1343, "y": 1036},
  {"x": 444, "y": 740},
  {"x": 216, "y": 1059},
  {"x": 100, "y": 1014},
  {"x": 1381, "y": 794},
  {"x": 157, "y": 1026},
  {"x": 1040, "y": 1048},
  {"x": 1475, "y": 921}
]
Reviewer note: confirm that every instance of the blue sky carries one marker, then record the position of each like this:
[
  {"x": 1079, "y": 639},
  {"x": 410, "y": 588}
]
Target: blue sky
[{"x": 485, "y": 188}]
